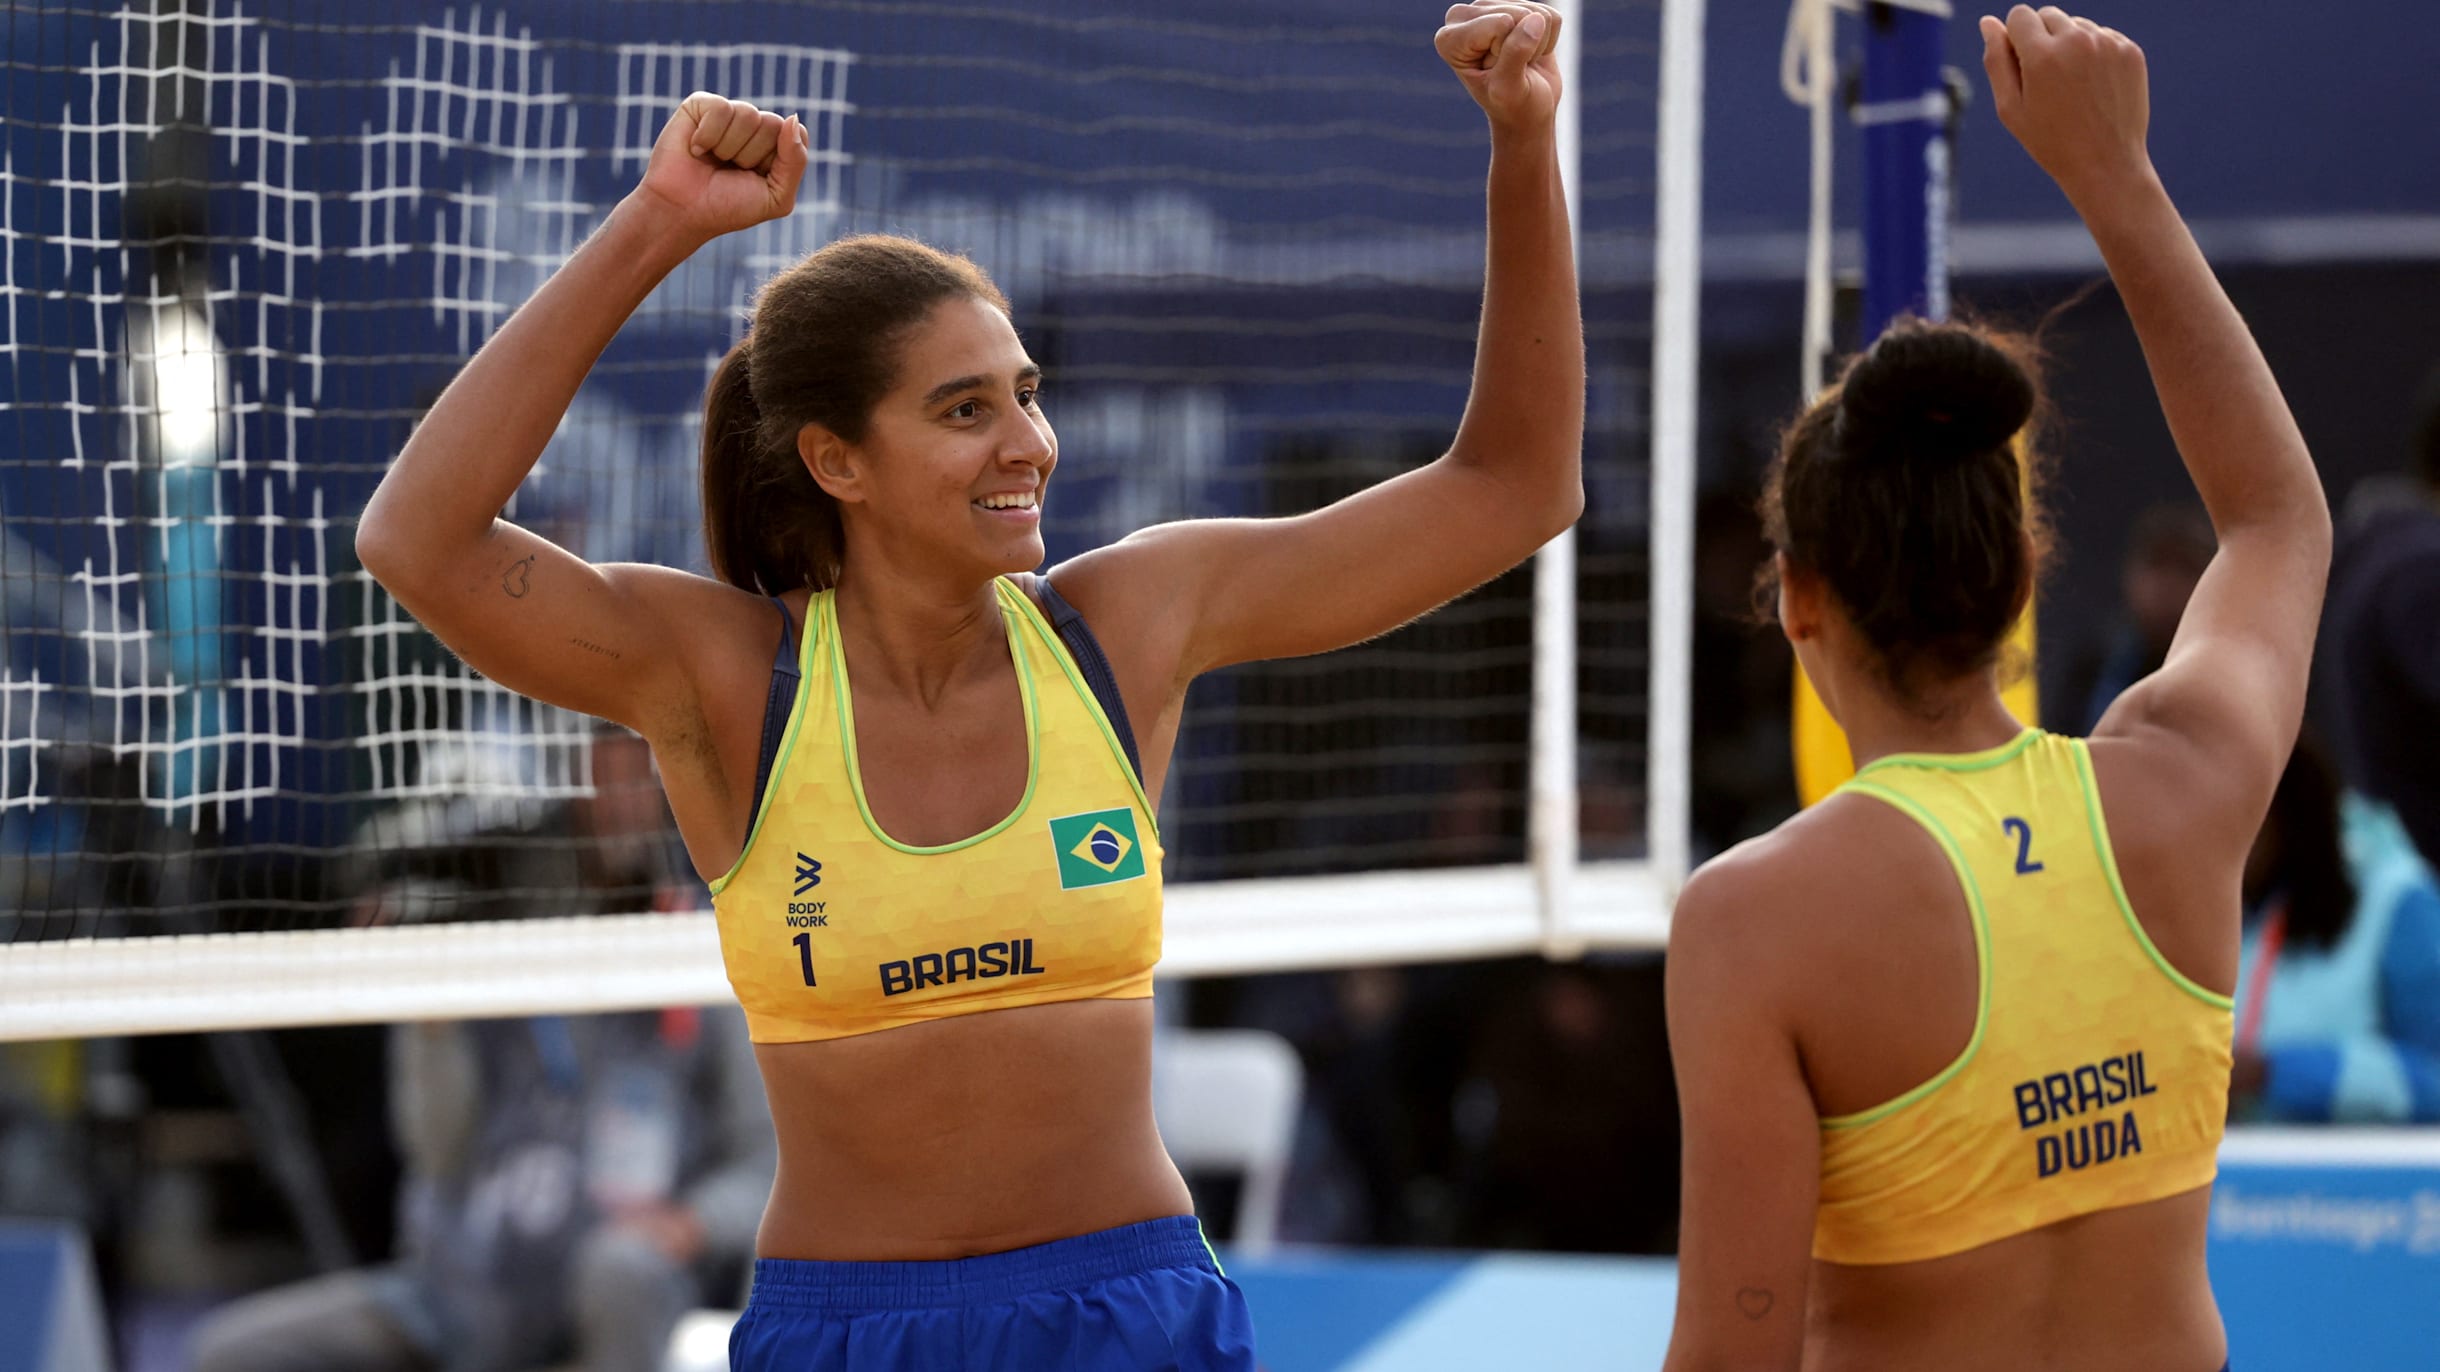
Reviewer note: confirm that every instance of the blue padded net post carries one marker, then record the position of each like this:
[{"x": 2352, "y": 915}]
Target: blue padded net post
[{"x": 1906, "y": 115}]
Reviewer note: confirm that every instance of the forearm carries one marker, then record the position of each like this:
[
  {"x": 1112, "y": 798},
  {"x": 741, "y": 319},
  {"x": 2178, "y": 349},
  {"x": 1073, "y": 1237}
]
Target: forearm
[
  {"x": 468, "y": 455},
  {"x": 1524, "y": 420},
  {"x": 2241, "y": 446}
]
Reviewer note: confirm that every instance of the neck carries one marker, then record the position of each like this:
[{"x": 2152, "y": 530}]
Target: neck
[
  {"x": 1966, "y": 718},
  {"x": 919, "y": 636}
]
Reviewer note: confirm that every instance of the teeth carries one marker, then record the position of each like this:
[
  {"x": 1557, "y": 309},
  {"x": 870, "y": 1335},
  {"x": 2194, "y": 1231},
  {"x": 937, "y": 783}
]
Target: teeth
[{"x": 1021, "y": 501}]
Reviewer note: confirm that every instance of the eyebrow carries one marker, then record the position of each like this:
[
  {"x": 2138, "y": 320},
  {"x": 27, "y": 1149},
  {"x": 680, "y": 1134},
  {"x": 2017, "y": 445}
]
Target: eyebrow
[{"x": 944, "y": 390}]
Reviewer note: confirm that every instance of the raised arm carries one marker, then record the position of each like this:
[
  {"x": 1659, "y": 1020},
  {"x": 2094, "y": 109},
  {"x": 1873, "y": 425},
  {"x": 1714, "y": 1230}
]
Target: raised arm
[
  {"x": 2222, "y": 713},
  {"x": 518, "y": 608},
  {"x": 1233, "y": 590}
]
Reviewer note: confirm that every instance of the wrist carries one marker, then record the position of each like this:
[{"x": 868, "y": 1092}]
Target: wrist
[
  {"x": 2104, "y": 189},
  {"x": 1530, "y": 137},
  {"x": 651, "y": 231}
]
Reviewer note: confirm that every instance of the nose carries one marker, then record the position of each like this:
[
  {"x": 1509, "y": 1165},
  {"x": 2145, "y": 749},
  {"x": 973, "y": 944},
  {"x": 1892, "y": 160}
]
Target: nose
[{"x": 1031, "y": 442}]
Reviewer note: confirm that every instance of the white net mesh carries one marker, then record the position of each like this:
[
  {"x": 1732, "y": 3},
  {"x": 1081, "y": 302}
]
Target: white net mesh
[{"x": 243, "y": 244}]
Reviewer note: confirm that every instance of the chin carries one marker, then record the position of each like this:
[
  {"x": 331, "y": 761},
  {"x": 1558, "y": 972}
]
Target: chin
[{"x": 1025, "y": 555}]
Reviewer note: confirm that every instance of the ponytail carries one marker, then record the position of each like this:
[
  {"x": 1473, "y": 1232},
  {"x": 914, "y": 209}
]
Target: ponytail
[{"x": 768, "y": 527}]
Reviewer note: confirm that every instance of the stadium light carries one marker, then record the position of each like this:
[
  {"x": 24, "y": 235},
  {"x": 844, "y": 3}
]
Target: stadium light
[{"x": 182, "y": 381}]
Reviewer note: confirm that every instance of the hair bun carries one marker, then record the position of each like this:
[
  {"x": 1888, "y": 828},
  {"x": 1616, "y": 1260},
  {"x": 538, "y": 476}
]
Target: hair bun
[{"x": 1932, "y": 393}]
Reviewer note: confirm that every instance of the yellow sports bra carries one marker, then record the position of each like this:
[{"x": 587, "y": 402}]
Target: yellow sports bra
[
  {"x": 2097, "y": 1074},
  {"x": 831, "y": 928}
]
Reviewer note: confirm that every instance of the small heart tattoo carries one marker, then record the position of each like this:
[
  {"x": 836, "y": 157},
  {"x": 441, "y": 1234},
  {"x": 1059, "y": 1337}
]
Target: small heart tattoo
[
  {"x": 518, "y": 579},
  {"x": 1754, "y": 1303}
]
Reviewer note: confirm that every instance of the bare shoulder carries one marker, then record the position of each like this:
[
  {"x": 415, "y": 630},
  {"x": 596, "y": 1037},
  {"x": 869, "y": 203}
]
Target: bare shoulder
[
  {"x": 2162, "y": 782},
  {"x": 1130, "y": 585},
  {"x": 2179, "y": 830},
  {"x": 1138, "y": 612},
  {"x": 1823, "y": 901},
  {"x": 715, "y": 643},
  {"x": 1796, "y": 893}
]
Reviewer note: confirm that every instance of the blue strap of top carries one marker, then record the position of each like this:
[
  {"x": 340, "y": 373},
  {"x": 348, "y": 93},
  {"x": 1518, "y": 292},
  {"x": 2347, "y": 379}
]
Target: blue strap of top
[
  {"x": 785, "y": 676},
  {"x": 1090, "y": 660}
]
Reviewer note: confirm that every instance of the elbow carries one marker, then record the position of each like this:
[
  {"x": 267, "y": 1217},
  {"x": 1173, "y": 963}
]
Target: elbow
[
  {"x": 1566, "y": 507},
  {"x": 377, "y": 549}
]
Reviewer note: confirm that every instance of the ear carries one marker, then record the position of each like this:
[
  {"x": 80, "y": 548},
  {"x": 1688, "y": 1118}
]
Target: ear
[
  {"x": 1803, "y": 600},
  {"x": 835, "y": 465}
]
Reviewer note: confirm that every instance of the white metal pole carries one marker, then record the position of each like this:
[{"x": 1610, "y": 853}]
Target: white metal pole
[
  {"x": 1677, "y": 320},
  {"x": 1550, "y": 818},
  {"x": 1820, "y": 225}
]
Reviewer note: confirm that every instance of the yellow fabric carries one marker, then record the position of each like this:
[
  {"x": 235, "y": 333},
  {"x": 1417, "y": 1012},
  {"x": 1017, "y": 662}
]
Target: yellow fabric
[
  {"x": 2097, "y": 1075},
  {"x": 830, "y": 928}
]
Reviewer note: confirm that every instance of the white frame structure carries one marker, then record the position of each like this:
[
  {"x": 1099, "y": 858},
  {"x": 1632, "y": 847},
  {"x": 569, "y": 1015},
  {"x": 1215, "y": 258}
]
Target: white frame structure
[{"x": 1554, "y": 903}]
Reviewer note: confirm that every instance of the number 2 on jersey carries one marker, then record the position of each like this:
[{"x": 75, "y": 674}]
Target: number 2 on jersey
[
  {"x": 2025, "y": 865},
  {"x": 804, "y": 954}
]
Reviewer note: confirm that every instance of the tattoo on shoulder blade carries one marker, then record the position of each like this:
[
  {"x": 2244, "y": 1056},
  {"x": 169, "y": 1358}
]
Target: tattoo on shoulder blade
[
  {"x": 519, "y": 578},
  {"x": 1754, "y": 1302}
]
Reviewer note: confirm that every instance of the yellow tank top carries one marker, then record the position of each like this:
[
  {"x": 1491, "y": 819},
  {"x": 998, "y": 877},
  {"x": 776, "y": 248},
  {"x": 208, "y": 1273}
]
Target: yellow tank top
[
  {"x": 2097, "y": 1075},
  {"x": 831, "y": 928}
]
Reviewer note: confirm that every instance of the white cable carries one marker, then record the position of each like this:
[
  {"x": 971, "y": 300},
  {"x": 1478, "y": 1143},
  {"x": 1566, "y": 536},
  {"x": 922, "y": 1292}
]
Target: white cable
[{"x": 1808, "y": 72}]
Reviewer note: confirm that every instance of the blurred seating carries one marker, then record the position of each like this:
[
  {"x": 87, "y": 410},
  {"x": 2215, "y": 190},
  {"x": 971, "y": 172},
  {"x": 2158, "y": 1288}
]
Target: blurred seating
[{"x": 1228, "y": 1100}]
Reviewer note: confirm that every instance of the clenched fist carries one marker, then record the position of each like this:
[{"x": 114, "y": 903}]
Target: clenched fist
[
  {"x": 2074, "y": 93},
  {"x": 721, "y": 165},
  {"x": 1504, "y": 53}
]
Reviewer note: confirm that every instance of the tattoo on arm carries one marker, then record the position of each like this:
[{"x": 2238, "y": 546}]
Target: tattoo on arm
[
  {"x": 1754, "y": 1302},
  {"x": 592, "y": 647},
  {"x": 519, "y": 578}
]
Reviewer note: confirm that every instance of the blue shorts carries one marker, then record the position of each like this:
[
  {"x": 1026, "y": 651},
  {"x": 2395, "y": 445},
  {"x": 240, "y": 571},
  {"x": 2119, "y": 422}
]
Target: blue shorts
[{"x": 1143, "y": 1296}]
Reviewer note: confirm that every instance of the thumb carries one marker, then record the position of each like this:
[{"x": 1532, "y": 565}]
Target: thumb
[
  {"x": 788, "y": 163},
  {"x": 2000, "y": 64}
]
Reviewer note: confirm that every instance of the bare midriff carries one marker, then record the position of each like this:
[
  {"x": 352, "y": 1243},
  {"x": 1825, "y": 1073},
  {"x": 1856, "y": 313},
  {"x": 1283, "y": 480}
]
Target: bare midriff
[
  {"x": 2113, "y": 1291},
  {"x": 968, "y": 1135}
]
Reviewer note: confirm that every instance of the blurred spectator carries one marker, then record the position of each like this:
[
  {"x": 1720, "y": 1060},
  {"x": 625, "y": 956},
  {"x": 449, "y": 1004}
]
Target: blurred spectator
[
  {"x": 2338, "y": 992},
  {"x": 1571, "y": 1114},
  {"x": 574, "y": 1185},
  {"x": 444, "y": 859},
  {"x": 2383, "y": 635},
  {"x": 2166, "y": 553}
]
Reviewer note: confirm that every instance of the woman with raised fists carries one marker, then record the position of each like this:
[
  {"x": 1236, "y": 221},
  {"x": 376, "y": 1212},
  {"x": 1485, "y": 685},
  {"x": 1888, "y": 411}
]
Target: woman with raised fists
[
  {"x": 1953, "y": 1046},
  {"x": 921, "y": 779}
]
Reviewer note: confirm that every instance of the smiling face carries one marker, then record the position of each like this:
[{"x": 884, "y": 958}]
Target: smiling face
[{"x": 954, "y": 464}]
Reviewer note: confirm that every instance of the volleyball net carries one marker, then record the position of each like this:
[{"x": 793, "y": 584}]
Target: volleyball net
[{"x": 244, "y": 243}]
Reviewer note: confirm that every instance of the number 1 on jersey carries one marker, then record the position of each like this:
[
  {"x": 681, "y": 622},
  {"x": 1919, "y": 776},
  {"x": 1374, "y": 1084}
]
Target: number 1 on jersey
[
  {"x": 2023, "y": 832},
  {"x": 804, "y": 954}
]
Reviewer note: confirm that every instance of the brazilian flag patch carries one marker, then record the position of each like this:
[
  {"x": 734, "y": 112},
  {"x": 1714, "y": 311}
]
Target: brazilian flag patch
[{"x": 1097, "y": 849}]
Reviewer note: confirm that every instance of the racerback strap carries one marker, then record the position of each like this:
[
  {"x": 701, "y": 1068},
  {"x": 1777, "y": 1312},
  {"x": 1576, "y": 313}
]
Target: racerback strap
[
  {"x": 1090, "y": 660},
  {"x": 785, "y": 677}
]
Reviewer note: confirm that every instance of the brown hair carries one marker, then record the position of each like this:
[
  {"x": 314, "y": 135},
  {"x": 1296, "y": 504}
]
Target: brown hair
[
  {"x": 1901, "y": 488},
  {"x": 822, "y": 349}
]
